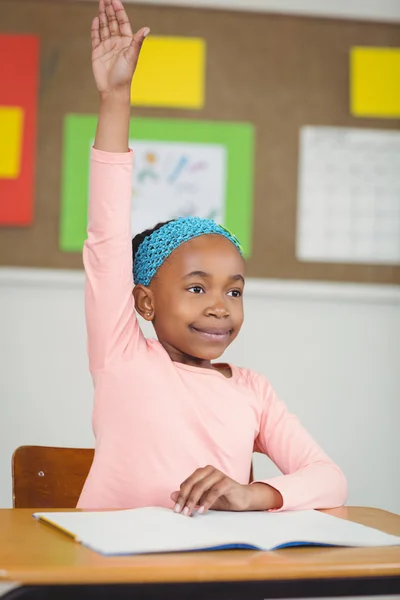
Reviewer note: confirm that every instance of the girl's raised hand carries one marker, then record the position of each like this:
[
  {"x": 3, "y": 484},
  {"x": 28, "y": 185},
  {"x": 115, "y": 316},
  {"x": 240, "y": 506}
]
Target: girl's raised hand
[{"x": 115, "y": 50}]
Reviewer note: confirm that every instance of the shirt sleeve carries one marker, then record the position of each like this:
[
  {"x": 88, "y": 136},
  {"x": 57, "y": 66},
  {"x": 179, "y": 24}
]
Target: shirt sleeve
[
  {"x": 112, "y": 327},
  {"x": 310, "y": 479}
]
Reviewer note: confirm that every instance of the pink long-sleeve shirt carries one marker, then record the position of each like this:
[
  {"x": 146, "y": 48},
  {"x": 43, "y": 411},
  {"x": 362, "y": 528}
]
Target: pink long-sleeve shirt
[{"x": 155, "y": 420}]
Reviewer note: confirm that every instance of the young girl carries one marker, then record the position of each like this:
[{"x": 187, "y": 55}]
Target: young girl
[{"x": 173, "y": 428}]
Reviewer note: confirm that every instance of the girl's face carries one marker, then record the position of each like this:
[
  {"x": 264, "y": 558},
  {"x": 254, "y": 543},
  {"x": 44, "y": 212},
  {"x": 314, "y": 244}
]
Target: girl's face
[{"x": 197, "y": 298}]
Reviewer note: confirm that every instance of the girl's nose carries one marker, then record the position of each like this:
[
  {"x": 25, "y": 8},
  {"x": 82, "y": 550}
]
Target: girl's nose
[{"x": 218, "y": 309}]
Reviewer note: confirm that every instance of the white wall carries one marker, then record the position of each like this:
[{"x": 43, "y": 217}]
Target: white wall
[
  {"x": 332, "y": 351},
  {"x": 376, "y": 10}
]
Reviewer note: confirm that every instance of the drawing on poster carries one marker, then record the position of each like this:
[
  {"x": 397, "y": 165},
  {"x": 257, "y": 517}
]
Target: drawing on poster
[
  {"x": 174, "y": 179},
  {"x": 349, "y": 196}
]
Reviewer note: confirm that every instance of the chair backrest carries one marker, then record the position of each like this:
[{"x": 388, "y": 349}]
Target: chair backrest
[{"x": 46, "y": 477}]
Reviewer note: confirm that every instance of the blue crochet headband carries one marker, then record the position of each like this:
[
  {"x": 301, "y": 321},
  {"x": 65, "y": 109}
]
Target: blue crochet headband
[{"x": 156, "y": 247}]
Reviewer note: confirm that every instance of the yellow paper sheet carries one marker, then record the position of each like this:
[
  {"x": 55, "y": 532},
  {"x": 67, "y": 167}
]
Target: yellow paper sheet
[
  {"x": 375, "y": 82},
  {"x": 11, "y": 126},
  {"x": 170, "y": 73}
]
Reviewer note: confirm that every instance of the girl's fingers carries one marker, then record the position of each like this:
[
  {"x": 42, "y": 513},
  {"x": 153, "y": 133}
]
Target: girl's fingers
[
  {"x": 187, "y": 486},
  {"x": 194, "y": 488},
  {"x": 112, "y": 18},
  {"x": 210, "y": 497},
  {"x": 174, "y": 496},
  {"x": 103, "y": 27},
  {"x": 95, "y": 33},
  {"x": 136, "y": 44},
  {"x": 202, "y": 489},
  {"x": 122, "y": 18}
]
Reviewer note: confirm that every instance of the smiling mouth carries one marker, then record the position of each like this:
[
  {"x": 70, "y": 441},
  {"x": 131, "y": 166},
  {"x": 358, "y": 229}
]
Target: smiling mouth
[{"x": 213, "y": 335}]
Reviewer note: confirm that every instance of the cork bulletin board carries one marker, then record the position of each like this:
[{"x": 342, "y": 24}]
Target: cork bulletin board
[{"x": 277, "y": 72}]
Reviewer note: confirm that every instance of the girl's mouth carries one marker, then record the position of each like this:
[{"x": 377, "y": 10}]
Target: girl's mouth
[{"x": 213, "y": 334}]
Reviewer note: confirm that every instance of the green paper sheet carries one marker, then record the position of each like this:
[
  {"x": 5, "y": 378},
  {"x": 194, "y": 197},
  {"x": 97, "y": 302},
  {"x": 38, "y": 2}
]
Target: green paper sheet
[{"x": 231, "y": 143}]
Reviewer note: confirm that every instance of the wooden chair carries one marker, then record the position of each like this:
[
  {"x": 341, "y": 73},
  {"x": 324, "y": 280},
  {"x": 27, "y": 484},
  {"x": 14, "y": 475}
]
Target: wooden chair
[{"x": 46, "y": 477}]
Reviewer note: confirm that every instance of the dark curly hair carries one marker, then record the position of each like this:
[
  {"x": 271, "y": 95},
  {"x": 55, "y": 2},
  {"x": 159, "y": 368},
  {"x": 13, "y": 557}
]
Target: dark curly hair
[{"x": 138, "y": 239}]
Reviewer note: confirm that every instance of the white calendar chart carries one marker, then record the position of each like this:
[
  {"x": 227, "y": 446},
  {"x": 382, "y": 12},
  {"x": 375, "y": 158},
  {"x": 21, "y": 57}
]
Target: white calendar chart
[{"x": 349, "y": 196}]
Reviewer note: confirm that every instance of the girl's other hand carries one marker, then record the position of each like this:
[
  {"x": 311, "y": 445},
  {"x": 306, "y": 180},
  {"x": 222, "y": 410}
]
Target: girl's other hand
[
  {"x": 115, "y": 50},
  {"x": 210, "y": 488}
]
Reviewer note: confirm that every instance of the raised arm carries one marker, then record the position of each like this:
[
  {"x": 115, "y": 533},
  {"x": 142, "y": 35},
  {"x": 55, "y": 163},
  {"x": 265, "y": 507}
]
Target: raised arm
[
  {"x": 310, "y": 478},
  {"x": 115, "y": 53},
  {"x": 112, "y": 327}
]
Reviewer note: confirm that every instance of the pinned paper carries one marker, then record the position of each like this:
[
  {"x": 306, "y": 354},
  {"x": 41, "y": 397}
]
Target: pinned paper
[
  {"x": 349, "y": 202},
  {"x": 177, "y": 179},
  {"x": 375, "y": 82},
  {"x": 11, "y": 121},
  {"x": 18, "y": 99},
  {"x": 170, "y": 72},
  {"x": 181, "y": 168}
]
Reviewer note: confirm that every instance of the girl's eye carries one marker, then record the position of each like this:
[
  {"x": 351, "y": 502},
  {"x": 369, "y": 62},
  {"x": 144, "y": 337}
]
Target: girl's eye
[
  {"x": 235, "y": 293},
  {"x": 196, "y": 289}
]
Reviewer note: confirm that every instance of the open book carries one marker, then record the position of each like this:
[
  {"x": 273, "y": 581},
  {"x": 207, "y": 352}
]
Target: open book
[{"x": 148, "y": 530}]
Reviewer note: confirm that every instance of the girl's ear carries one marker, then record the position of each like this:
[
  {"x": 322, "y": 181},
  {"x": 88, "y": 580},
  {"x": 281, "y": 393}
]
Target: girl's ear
[{"x": 144, "y": 301}]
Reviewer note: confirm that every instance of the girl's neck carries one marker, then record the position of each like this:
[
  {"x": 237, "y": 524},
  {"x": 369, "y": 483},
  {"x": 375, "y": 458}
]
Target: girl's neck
[{"x": 184, "y": 359}]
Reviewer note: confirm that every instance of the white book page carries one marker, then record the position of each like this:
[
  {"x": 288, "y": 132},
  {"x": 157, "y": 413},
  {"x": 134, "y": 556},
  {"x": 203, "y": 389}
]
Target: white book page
[{"x": 148, "y": 530}]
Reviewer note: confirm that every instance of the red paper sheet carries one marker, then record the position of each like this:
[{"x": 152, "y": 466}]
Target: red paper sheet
[{"x": 19, "y": 66}]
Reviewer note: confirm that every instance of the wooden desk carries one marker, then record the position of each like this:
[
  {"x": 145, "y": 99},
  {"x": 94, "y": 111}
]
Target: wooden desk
[{"x": 39, "y": 557}]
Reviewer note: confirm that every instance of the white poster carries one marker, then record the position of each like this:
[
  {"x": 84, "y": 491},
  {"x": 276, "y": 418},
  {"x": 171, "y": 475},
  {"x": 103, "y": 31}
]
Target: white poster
[
  {"x": 349, "y": 196},
  {"x": 177, "y": 179}
]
